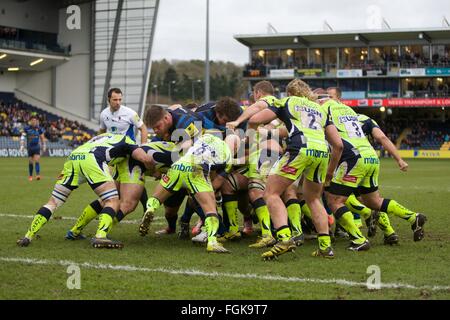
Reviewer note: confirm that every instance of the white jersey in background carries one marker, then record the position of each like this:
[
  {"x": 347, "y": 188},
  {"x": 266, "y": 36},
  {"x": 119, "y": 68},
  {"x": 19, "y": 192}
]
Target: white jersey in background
[{"x": 122, "y": 121}]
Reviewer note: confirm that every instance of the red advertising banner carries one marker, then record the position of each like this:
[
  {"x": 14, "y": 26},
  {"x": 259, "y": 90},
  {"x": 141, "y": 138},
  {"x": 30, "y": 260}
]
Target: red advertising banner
[{"x": 399, "y": 102}]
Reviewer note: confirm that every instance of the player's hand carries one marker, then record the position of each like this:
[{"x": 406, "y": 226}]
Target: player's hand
[
  {"x": 232, "y": 125},
  {"x": 403, "y": 165}
]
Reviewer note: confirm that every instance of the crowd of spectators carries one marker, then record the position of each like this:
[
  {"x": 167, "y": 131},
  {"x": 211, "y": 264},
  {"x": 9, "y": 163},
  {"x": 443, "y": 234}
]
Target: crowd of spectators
[
  {"x": 424, "y": 135},
  {"x": 383, "y": 62},
  {"x": 14, "y": 116}
]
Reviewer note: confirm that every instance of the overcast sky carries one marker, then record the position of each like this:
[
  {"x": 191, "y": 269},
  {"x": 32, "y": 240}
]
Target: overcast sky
[{"x": 180, "y": 30}]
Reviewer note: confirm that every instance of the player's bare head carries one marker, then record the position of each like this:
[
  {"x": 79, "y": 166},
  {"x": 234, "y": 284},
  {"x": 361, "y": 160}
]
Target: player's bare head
[
  {"x": 335, "y": 93},
  {"x": 300, "y": 88},
  {"x": 227, "y": 109},
  {"x": 191, "y": 106},
  {"x": 321, "y": 94},
  {"x": 33, "y": 120},
  {"x": 263, "y": 88},
  {"x": 114, "y": 98},
  {"x": 159, "y": 119}
]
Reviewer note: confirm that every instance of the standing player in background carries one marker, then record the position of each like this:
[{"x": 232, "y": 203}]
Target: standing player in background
[
  {"x": 120, "y": 119},
  {"x": 33, "y": 133}
]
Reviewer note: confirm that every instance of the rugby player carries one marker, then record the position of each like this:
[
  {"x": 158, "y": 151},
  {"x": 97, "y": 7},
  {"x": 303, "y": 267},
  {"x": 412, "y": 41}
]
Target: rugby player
[
  {"x": 33, "y": 133},
  {"x": 89, "y": 163}
]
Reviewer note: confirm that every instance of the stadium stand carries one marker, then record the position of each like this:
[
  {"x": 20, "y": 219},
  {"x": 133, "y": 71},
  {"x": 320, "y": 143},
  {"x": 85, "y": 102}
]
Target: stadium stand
[{"x": 60, "y": 132}]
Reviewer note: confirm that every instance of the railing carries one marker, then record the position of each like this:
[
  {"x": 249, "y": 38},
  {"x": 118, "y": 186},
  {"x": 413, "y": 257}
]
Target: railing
[{"x": 34, "y": 46}]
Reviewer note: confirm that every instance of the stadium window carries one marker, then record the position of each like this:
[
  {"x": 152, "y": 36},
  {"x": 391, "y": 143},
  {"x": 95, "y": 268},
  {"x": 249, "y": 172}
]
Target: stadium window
[
  {"x": 329, "y": 56},
  {"x": 352, "y": 57},
  {"x": 414, "y": 55}
]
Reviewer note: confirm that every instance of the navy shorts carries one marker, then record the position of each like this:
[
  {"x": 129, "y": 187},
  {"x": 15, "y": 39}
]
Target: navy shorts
[{"x": 32, "y": 151}]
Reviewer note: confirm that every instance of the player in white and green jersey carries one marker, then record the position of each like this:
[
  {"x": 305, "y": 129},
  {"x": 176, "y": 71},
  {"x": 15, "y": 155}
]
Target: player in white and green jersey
[
  {"x": 192, "y": 172},
  {"x": 358, "y": 171},
  {"x": 375, "y": 134},
  {"x": 131, "y": 171},
  {"x": 307, "y": 153},
  {"x": 89, "y": 163}
]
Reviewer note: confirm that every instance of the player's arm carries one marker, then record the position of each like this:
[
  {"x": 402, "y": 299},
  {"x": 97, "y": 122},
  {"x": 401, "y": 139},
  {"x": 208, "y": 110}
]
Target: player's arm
[
  {"x": 333, "y": 138},
  {"x": 262, "y": 117},
  {"x": 140, "y": 155},
  {"x": 22, "y": 141},
  {"x": 381, "y": 138},
  {"x": 248, "y": 113},
  {"x": 144, "y": 133},
  {"x": 43, "y": 142}
]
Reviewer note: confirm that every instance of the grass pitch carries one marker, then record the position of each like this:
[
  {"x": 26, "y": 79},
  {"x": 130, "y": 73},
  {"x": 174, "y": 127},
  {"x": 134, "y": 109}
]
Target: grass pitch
[{"x": 163, "y": 267}]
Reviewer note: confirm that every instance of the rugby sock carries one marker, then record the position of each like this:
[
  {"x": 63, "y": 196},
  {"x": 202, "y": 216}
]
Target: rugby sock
[
  {"x": 30, "y": 169},
  {"x": 153, "y": 204},
  {"x": 38, "y": 168},
  {"x": 393, "y": 207},
  {"x": 305, "y": 209},
  {"x": 357, "y": 208},
  {"x": 294, "y": 210},
  {"x": 385, "y": 224},
  {"x": 144, "y": 199},
  {"x": 187, "y": 214},
  {"x": 105, "y": 222},
  {"x": 230, "y": 206},
  {"x": 89, "y": 214},
  {"x": 172, "y": 222},
  {"x": 119, "y": 217},
  {"x": 324, "y": 241},
  {"x": 212, "y": 226},
  {"x": 283, "y": 233},
  {"x": 262, "y": 212},
  {"x": 345, "y": 219},
  {"x": 41, "y": 218}
]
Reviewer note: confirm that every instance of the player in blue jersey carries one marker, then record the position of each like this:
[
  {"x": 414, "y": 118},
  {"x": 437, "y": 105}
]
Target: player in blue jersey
[{"x": 33, "y": 137}]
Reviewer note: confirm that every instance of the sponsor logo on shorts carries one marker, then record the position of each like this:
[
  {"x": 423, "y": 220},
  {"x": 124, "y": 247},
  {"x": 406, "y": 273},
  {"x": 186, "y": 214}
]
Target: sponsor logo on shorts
[
  {"x": 371, "y": 161},
  {"x": 165, "y": 178},
  {"x": 77, "y": 157},
  {"x": 316, "y": 153},
  {"x": 289, "y": 170},
  {"x": 182, "y": 167},
  {"x": 350, "y": 178}
]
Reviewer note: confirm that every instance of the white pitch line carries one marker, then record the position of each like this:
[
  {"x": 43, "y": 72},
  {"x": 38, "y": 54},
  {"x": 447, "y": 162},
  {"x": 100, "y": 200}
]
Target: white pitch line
[
  {"x": 193, "y": 272},
  {"x": 9, "y": 215}
]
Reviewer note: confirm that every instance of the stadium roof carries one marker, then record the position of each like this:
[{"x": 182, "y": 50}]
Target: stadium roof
[
  {"x": 356, "y": 37},
  {"x": 23, "y": 60}
]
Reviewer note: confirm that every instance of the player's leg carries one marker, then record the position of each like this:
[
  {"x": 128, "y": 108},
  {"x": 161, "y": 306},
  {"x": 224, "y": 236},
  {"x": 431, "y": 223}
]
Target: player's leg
[
  {"x": 246, "y": 209},
  {"x": 312, "y": 194},
  {"x": 346, "y": 180},
  {"x": 58, "y": 198},
  {"x": 392, "y": 207},
  {"x": 30, "y": 164},
  {"x": 272, "y": 195},
  {"x": 207, "y": 201},
  {"x": 230, "y": 203},
  {"x": 37, "y": 165},
  {"x": 256, "y": 194},
  {"x": 108, "y": 194},
  {"x": 294, "y": 214},
  {"x": 67, "y": 182},
  {"x": 91, "y": 212},
  {"x": 130, "y": 195},
  {"x": 171, "y": 207}
]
